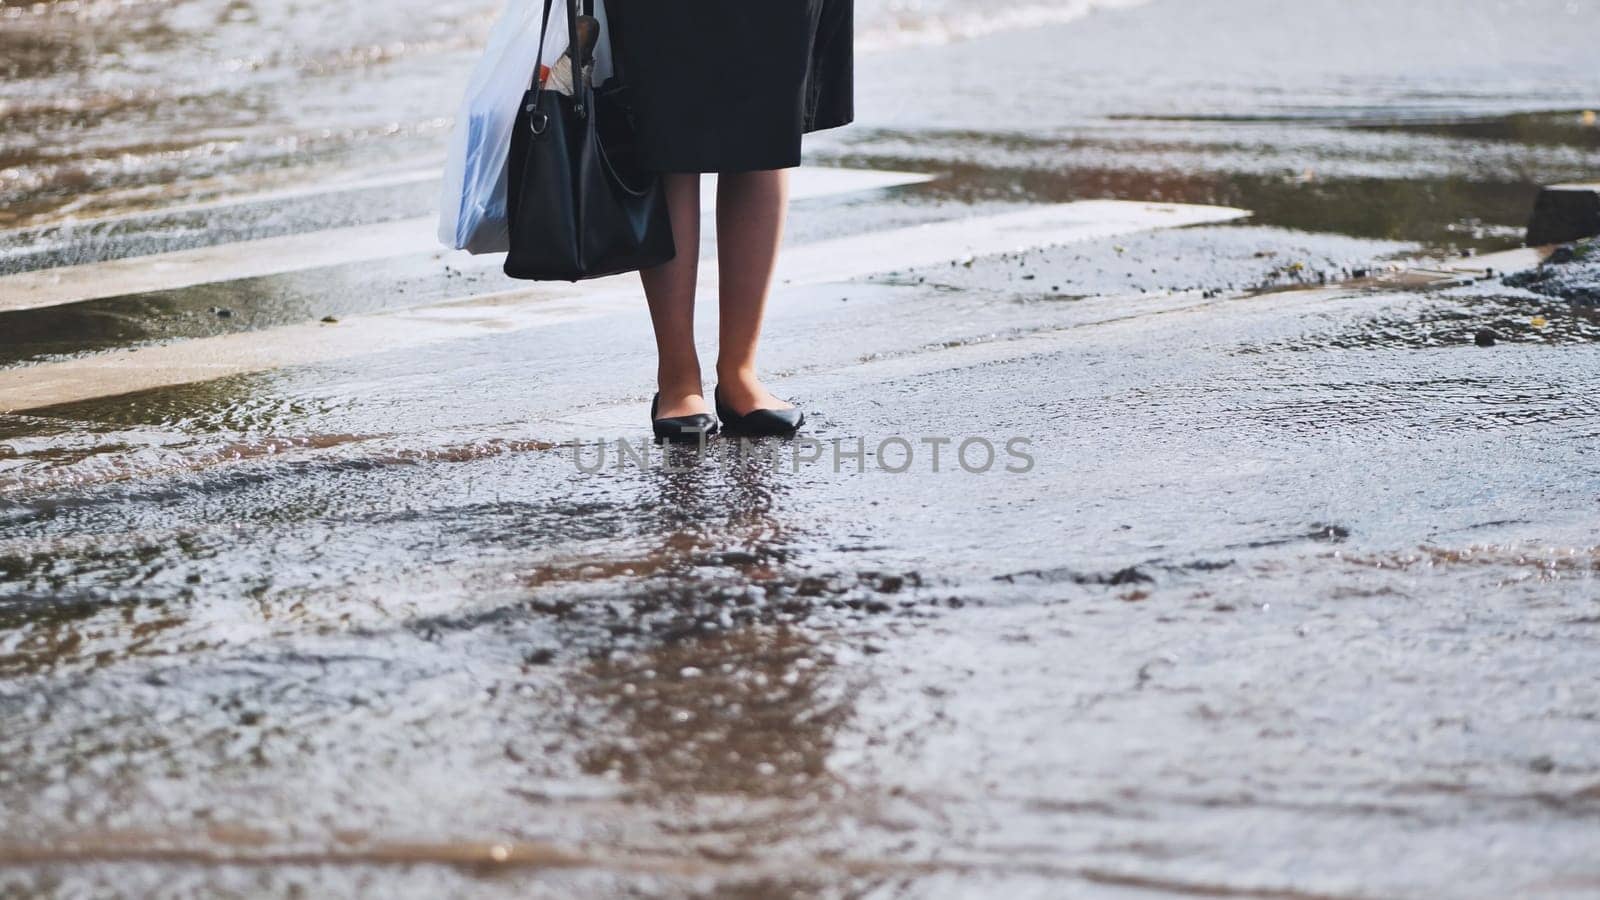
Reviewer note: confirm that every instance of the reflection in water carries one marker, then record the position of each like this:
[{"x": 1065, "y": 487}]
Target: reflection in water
[
  {"x": 748, "y": 711},
  {"x": 721, "y": 721},
  {"x": 715, "y": 706},
  {"x": 672, "y": 653}
]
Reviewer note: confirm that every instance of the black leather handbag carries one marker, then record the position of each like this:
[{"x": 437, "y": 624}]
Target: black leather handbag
[{"x": 577, "y": 203}]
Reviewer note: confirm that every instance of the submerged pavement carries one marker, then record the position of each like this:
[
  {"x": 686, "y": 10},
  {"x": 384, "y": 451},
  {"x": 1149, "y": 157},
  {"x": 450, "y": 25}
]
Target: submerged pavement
[
  {"x": 1278, "y": 581},
  {"x": 1285, "y": 593}
]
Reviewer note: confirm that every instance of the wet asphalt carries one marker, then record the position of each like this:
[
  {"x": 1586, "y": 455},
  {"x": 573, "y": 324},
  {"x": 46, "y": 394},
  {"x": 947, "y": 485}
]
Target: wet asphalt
[{"x": 1275, "y": 584}]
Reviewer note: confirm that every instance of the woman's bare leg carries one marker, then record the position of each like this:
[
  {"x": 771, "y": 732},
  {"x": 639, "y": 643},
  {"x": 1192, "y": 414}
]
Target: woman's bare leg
[
  {"x": 750, "y": 212},
  {"x": 669, "y": 289}
]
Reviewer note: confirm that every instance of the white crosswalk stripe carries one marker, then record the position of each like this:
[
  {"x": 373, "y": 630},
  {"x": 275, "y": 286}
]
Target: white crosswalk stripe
[
  {"x": 182, "y": 362},
  {"x": 313, "y": 250}
]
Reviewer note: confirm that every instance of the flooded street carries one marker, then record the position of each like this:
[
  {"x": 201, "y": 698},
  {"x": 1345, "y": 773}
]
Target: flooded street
[{"x": 1237, "y": 539}]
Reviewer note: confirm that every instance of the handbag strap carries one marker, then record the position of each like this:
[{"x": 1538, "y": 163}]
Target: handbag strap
[
  {"x": 538, "y": 56},
  {"x": 580, "y": 72}
]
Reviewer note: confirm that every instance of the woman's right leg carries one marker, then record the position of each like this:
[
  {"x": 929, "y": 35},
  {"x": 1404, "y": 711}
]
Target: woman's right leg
[{"x": 670, "y": 288}]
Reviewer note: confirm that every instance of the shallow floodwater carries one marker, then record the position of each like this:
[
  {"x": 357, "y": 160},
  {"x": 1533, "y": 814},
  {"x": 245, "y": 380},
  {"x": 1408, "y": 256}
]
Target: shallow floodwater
[{"x": 1276, "y": 584}]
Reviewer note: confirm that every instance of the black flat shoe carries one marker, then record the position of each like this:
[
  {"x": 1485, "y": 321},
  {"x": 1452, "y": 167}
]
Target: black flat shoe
[
  {"x": 681, "y": 429},
  {"x": 759, "y": 422}
]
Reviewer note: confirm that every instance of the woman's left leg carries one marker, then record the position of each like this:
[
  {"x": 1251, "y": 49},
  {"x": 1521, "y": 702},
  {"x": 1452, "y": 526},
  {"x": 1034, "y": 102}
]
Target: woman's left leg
[{"x": 750, "y": 214}]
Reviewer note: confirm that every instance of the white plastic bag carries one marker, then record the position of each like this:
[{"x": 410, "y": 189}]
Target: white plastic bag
[{"x": 472, "y": 206}]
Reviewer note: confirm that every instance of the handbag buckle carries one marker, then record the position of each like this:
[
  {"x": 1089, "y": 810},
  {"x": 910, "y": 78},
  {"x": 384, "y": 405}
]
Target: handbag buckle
[{"x": 538, "y": 120}]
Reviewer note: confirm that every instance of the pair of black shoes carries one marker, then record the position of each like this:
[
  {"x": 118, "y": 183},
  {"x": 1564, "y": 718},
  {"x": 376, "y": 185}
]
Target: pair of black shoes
[{"x": 696, "y": 428}]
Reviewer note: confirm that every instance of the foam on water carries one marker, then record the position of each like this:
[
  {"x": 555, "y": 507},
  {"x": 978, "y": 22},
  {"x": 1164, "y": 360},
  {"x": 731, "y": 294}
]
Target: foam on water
[{"x": 885, "y": 24}]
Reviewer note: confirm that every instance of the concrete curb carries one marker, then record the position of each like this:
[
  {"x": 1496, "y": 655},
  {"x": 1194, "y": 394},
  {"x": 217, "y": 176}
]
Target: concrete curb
[{"x": 1565, "y": 212}]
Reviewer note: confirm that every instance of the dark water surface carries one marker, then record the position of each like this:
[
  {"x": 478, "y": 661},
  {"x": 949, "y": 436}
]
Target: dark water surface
[{"x": 1298, "y": 598}]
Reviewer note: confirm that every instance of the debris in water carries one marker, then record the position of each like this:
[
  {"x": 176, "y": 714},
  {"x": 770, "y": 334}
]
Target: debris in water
[
  {"x": 1572, "y": 272},
  {"x": 1485, "y": 337},
  {"x": 1130, "y": 575}
]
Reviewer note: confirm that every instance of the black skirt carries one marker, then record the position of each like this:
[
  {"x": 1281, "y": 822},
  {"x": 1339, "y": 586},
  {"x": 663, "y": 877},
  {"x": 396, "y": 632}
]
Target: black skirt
[{"x": 731, "y": 85}]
